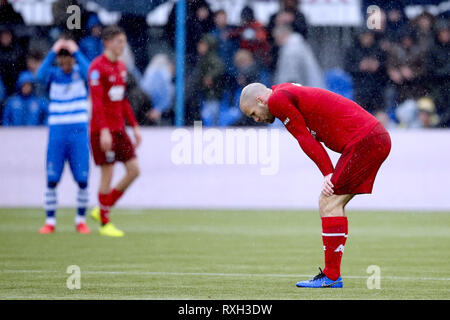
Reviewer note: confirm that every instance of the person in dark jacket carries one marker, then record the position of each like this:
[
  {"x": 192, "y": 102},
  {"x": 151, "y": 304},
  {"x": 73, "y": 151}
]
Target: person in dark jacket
[
  {"x": 438, "y": 61},
  {"x": 92, "y": 45},
  {"x": 199, "y": 20},
  {"x": 365, "y": 61},
  {"x": 207, "y": 80},
  {"x": 12, "y": 59},
  {"x": 25, "y": 108}
]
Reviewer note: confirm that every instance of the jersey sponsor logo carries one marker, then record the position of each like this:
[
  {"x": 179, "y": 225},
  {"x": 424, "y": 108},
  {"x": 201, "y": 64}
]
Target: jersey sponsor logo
[
  {"x": 94, "y": 77},
  {"x": 116, "y": 93},
  {"x": 340, "y": 248},
  {"x": 286, "y": 121}
]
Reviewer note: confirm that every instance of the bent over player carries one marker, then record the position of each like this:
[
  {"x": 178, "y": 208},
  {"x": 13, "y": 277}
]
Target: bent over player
[
  {"x": 109, "y": 140},
  {"x": 68, "y": 126},
  {"x": 312, "y": 116}
]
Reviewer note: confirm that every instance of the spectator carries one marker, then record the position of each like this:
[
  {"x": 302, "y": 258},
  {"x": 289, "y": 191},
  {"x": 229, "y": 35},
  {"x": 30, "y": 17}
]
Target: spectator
[
  {"x": 423, "y": 26},
  {"x": 226, "y": 46},
  {"x": 11, "y": 59},
  {"x": 25, "y": 108},
  {"x": 406, "y": 67},
  {"x": 33, "y": 61},
  {"x": 247, "y": 71},
  {"x": 8, "y": 16},
  {"x": 254, "y": 37},
  {"x": 289, "y": 14},
  {"x": 157, "y": 83},
  {"x": 395, "y": 20},
  {"x": 420, "y": 114},
  {"x": 365, "y": 61},
  {"x": 296, "y": 60},
  {"x": 439, "y": 70},
  {"x": 139, "y": 101},
  {"x": 92, "y": 45},
  {"x": 207, "y": 79},
  {"x": 199, "y": 21}
]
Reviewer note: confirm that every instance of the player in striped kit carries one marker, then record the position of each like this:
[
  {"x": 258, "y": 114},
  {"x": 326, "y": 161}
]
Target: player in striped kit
[{"x": 68, "y": 127}]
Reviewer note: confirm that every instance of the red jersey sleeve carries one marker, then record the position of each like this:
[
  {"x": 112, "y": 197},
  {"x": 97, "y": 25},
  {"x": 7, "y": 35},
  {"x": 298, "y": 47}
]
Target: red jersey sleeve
[
  {"x": 128, "y": 113},
  {"x": 281, "y": 107},
  {"x": 96, "y": 89}
]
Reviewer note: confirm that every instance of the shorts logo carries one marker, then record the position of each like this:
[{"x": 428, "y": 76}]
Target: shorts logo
[{"x": 285, "y": 122}]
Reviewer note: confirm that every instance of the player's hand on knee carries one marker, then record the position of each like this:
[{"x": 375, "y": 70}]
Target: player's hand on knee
[
  {"x": 327, "y": 188},
  {"x": 105, "y": 140}
]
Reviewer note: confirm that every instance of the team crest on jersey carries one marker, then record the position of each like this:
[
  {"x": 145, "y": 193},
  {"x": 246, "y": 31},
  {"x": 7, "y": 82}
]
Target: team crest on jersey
[
  {"x": 112, "y": 78},
  {"x": 94, "y": 77}
]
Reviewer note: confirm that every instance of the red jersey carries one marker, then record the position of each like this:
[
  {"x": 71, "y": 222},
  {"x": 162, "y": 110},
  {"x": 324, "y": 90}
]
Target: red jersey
[
  {"x": 107, "y": 83},
  {"x": 314, "y": 115}
]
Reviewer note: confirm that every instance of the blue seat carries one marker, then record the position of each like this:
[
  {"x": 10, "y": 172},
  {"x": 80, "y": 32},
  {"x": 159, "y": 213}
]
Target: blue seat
[{"x": 340, "y": 82}]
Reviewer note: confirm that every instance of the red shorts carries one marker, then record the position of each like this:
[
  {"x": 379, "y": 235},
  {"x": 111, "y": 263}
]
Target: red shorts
[
  {"x": 122, "y": 148},
  {"x": 358, "y": 165}
]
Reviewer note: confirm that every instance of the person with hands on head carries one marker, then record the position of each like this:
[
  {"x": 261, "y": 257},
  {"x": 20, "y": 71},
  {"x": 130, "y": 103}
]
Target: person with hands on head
[{"x": 68, "y": 127}]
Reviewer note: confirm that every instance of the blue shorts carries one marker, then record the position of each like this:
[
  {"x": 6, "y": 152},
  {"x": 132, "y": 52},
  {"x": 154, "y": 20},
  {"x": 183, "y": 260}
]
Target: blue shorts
[{"x": 71, "y": 143}]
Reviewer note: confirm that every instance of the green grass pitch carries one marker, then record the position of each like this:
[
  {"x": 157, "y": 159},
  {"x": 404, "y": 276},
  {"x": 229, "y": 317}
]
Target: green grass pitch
[{"x": 220, "y": 254}]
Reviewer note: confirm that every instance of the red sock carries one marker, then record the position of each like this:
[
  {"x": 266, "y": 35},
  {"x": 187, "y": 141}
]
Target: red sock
[
  {"x": 115, "y": 195},
  {"x": 334, "y": 234},
  {"x": 105, "y": 206}
]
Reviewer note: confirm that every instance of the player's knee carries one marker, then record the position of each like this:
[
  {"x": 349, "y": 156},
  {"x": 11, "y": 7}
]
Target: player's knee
[
  {"x": 134, "y": 171},
  {"x": 52, "y": 184},
  {"x": 328, "y": 207}
]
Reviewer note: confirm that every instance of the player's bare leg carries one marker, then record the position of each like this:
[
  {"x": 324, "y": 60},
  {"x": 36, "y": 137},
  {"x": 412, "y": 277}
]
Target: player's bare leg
[
  {"x": 334, "y": 235},
  {"x": 334, "y": 205},
  {"x": 106, "y": 176},
  {"x": 133, "y": 171}
]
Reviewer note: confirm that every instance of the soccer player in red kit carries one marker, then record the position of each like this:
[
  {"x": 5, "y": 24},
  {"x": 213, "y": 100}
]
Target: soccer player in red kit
[
  {"x": 312, "y": 116},
  {"x": 109, "y": 140}
]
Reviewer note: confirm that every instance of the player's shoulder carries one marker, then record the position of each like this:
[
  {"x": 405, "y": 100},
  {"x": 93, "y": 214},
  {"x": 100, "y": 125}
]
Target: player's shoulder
[{"x": 97, "y": 63}]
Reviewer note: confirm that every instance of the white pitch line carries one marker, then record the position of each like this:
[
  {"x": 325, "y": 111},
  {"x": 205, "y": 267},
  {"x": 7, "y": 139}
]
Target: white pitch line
[{"x": 209, "y": 274}]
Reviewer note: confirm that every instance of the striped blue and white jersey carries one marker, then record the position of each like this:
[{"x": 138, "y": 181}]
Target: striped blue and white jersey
[{"x": 68, "y": 93}]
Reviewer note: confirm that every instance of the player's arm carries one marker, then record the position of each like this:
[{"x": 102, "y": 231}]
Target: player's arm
[
  {"x": 83, "y": 63},
  {"x": 131, "y": 119},
  {"x": 45, "y": 70},
  {"x": 98, "y": 109},
  {"x": 282, "y": 108}
]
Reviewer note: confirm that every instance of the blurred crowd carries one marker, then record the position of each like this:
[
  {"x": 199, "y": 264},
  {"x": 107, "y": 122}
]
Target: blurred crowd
[{"x": 399, "y": 72}]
